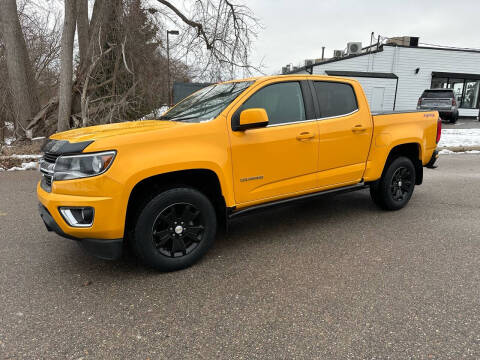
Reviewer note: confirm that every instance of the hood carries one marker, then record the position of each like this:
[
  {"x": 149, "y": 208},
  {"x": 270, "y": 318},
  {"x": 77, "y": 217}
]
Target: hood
[{"x": 93, "y": 133}]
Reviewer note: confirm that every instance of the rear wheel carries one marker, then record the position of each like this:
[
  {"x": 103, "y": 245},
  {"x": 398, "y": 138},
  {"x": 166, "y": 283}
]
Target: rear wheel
[
  {"x": 175, "y": 229},
  {"x": 453, "y": 119},
  {"x": 395, "y": 188}
]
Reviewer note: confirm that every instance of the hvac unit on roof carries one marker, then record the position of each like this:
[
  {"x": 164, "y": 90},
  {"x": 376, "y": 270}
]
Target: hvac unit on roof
[
  {"x": 354, "y": 48},
  {"x": 337, "y": 53}
]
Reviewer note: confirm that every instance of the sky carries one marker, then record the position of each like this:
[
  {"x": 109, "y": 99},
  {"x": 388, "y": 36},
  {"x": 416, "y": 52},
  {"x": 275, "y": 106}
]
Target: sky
[{"x": 296, "y": 30}]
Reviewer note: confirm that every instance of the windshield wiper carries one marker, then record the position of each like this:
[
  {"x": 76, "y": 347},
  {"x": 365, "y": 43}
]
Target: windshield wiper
[{"x": 183, "y": 118}]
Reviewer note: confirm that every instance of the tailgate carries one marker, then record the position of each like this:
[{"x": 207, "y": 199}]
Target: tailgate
[{"x": 436, "y": 103}]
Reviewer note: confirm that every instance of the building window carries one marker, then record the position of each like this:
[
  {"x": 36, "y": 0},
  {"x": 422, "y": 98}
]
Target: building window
[
  {"x": 457, "y": 86},
  {"x": 439, "y": 83},
  {"x": 466, "y": 91},
  {"x": 470, "y": 99}
]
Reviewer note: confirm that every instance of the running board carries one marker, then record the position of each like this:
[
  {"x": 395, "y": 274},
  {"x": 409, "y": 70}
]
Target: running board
[{"x": 344, "y": 189}]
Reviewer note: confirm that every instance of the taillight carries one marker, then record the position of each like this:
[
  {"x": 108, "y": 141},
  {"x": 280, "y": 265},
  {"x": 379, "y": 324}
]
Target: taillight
[
  {"x": 419, "y": 101},
  {"x": 439, "y": 129},
  {"x": 454, "y": 102}
]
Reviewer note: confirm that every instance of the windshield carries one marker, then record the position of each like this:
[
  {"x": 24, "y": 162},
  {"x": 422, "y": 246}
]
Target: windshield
[{"x": 206, "y": 103}]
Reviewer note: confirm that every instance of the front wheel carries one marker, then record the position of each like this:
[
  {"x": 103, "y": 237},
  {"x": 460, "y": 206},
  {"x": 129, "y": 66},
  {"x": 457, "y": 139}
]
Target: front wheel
[
  {"x": 175, "y": 229},
  {"x": 395, "y": 188}
]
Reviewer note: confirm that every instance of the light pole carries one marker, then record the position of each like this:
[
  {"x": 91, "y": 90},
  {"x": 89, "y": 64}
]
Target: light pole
[{"x": 169, "y": 32}]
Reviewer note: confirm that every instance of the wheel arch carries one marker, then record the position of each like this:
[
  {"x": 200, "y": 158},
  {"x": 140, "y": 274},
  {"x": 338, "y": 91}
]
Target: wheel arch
[
  {"x": 204, "y": 180},
  {"x": 411, "y": 150}
]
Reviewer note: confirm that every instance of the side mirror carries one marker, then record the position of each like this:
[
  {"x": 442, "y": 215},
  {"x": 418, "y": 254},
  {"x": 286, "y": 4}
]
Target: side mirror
[{"x": 250, "y": 119}]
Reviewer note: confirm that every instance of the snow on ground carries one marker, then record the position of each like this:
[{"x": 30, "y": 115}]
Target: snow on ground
[
  {"x": 33, "y": 156},
  {"x": 9, "y": 140},
  {"x": 450, "y": 152},
  {"x": 32, "y": 165},
  {"x": 460, "y": 137}
]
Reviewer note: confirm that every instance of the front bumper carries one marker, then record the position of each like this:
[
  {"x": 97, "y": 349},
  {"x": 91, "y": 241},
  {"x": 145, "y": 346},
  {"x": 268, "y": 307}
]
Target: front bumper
[{"x": 108, "y": 249}]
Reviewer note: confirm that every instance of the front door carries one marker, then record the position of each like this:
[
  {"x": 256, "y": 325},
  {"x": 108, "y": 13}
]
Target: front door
[{"x": 280, "y": 159}]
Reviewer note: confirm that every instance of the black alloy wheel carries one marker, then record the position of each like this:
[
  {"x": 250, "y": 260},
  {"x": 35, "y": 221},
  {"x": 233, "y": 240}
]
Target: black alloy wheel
[
  {"x": 395, "y": 188},
  {"x": 175, "y": 229},
  {"x": 401, "y": 184},
  {"x": 178, "y": 230}
]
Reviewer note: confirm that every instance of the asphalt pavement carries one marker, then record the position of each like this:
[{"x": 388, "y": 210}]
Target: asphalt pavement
[
  {"x": 462, "y": 123},
  {"x": 331, "y": 278}
]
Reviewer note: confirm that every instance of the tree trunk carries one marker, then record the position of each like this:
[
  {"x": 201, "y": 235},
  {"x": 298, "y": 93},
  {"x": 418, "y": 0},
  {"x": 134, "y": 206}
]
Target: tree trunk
[
  {"x": 66, "y": 69},
  {"x": 2, "y": 130},
  {"x": 82, "y": 28},
  {"x": 20, "y": 71}
]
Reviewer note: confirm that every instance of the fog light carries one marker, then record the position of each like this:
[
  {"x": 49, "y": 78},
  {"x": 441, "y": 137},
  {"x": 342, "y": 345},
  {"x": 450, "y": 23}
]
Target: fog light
[{"x": 78, "y": 216}]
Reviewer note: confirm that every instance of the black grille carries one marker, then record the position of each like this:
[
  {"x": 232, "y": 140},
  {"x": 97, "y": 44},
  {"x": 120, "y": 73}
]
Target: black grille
[
  {"x": 46, "y": 182},
  {"x": 51, "y": 158}
]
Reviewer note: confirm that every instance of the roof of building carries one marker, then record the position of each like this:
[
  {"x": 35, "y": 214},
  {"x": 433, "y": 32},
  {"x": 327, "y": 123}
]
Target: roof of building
[{"x": 309, "y": 68}]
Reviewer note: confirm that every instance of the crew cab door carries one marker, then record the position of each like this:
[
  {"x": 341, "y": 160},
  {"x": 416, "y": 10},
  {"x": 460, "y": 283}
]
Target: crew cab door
[
  {"x": 345, "y": 130},
  {"x": 281, "y": 158}
]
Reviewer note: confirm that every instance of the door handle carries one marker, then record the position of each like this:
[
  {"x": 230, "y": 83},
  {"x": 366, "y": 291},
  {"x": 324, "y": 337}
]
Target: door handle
[
  {"x": 359, "y": 128},
  {"x": 306, "y": 135}
]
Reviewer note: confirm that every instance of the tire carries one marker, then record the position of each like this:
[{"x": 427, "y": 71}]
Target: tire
[
  {"x": 395, "y": 188},
  {"x": 175, "y": 229},
  {"x": 453, "y": 119}
]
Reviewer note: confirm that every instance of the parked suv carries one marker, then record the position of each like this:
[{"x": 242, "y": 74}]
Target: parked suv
[{"x": 442, "y": 100}]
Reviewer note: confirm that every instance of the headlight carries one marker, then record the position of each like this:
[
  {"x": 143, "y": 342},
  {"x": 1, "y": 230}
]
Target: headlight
[{"x": 81, "y": 166}]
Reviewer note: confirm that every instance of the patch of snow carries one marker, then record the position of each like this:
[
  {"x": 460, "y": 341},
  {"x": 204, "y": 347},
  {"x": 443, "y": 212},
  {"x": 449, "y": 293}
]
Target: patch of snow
[
  {"x": 32, "y": 165},
  {"x": 9, "y": 140},
  {"x": 9, "y": 126},
  {"x": 446, "y": 152},
  {"x": 32, "y": 156},
  {"x": 450, "y": 152},
  {"x": 460, "y": 137}
]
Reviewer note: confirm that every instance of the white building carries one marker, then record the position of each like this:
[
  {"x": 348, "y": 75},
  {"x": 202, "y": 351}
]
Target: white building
[{"x": 394, "y": 76}]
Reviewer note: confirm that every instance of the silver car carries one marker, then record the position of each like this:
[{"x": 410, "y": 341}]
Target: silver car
[{"x": 442, "y": 100}]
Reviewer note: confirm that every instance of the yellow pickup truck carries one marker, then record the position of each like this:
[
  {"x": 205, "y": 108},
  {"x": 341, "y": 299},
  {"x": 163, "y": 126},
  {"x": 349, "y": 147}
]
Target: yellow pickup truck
[{"x": 162, "y": 187}]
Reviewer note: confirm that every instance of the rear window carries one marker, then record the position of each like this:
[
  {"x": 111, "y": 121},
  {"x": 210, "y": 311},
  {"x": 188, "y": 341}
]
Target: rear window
[
  {"x": 437, "y": 94},
  {"x": 335, "y": 99}
]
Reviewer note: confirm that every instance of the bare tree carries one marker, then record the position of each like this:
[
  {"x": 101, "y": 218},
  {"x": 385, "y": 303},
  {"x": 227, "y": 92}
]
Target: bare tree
[
  {"x": 216, "y": 37},
  {"x": 121, "y": 72},
  {"x": 20, "y": 71},
  {"x": 82, "y": 28},
  {"x": 66, "y": 70}
]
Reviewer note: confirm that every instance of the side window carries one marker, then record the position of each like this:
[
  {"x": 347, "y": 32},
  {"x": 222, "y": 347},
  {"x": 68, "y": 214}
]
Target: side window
[
  {"x": 283, "y": 102},
  {"x": 335, "y": 98}
]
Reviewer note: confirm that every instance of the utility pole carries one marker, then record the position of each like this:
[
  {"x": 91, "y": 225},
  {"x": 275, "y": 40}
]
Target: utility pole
[{"x": 169, "y": 87}]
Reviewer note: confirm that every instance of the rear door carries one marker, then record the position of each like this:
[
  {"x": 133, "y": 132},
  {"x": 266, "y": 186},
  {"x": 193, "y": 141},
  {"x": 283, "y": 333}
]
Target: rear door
[
  {"x": 345, "y": 131},
  {"x": 280, "y": 159}
]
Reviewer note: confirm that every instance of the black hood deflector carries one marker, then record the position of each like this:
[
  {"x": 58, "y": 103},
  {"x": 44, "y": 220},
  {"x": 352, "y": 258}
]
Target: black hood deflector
[{"x": 61, "y": 147}]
